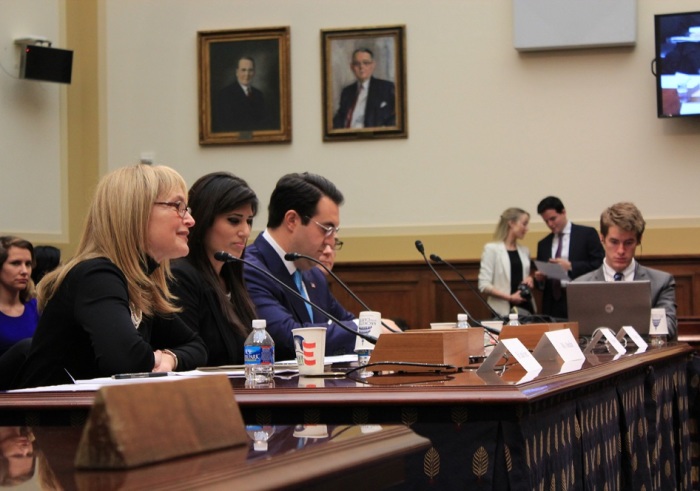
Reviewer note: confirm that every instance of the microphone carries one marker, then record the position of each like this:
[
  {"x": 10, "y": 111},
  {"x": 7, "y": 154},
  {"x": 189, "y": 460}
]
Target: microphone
[
  {"x": 421, "y": 249},
  {"x": 229, "y": 258},
  {"x": 293, "y": 256},
  {"x": 438, "y": 259}
]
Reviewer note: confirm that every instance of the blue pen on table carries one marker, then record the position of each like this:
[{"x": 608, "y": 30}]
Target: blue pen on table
[{"x": 139, "y": 375}]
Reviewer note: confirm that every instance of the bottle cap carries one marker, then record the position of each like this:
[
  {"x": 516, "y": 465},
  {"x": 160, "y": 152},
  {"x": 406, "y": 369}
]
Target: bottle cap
[
  {"x": 258, "y": 323},
  {"x": 461, "y": 317},
  {"x": 512, "y": 317}
]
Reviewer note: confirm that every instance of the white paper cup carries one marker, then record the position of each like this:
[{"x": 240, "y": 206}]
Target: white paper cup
[
  {"x": 311, "y": 382},
  {"x": 369, "y": 323},
  {"x": 310, "y": 347}
]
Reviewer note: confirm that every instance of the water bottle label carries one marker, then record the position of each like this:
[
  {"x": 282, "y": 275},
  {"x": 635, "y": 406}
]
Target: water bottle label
[{"x": 252, "y": 355}]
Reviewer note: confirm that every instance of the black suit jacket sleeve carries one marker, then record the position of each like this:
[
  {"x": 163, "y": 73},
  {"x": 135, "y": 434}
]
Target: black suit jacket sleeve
[{"x": 586, "y": 252}]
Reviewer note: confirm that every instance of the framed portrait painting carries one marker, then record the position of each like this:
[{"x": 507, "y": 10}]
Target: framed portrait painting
[
  {"x": 244, "y": 86},
  {"x": 364, "y": 83}
]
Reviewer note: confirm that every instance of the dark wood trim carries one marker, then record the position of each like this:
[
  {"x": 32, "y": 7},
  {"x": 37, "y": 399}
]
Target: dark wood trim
[{"x": 461, "y": 388}]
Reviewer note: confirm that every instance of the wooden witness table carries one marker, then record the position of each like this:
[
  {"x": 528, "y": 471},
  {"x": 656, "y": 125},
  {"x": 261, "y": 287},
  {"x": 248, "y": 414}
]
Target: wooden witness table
[{"x": 620, "y": 423}]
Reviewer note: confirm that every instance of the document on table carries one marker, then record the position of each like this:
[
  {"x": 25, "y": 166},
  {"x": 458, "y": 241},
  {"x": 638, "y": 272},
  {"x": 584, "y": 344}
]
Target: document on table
[
  {"x": 553, "y": 271},
  {"x": 88, "y": 385}
]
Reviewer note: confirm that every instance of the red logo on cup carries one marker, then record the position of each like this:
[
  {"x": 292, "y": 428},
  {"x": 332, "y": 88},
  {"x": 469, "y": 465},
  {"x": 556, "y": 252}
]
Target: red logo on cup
[{"x": 308, "y": 353}]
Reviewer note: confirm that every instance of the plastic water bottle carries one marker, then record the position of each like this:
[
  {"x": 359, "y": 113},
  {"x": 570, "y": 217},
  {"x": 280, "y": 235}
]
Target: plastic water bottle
[
  {"x": 462, "y": 321},
  {"x": 259, "y": 355},
  {"x": 513, "y": 320}
]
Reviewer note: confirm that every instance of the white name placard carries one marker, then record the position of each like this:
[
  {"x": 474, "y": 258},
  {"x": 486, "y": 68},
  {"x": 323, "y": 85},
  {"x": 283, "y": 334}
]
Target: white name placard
[
  {"x": 609, "y": 336},
  {"x": 559, "y": 344},
  {"x": 517, "y": 350},
  {"x": 630, "y": 332}
]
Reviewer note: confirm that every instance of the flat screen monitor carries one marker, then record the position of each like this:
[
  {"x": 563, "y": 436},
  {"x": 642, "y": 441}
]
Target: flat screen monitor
[
  {"x": 46, "y": 64},
  {"x": 677, "y": 40}
]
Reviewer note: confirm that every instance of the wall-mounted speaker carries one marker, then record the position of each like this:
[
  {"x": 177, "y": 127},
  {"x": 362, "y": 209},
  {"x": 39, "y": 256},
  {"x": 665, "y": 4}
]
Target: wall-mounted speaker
[{"x": 46, "y": 64}]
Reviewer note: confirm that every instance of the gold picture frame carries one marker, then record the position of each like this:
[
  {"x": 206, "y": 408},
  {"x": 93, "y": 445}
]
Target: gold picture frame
[
  {"x": 244, "y": 86},
  {"x": 377, "y": 57}
]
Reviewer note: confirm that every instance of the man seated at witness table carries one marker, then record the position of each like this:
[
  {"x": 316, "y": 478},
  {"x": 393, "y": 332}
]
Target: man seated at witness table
[
  {"x": 303, "y": 217},
  {"x": 621, "y": 230},
  {"x": 576, "y": 248},
  {"x": 328, "y": 257}
]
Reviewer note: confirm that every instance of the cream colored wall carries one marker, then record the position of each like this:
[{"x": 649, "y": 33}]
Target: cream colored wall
[
  {"x": 488, "y": 127},
  {"x": 33, "y": 154}
]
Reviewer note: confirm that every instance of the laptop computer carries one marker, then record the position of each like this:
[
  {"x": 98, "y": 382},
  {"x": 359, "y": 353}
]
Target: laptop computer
[{"x": 612, "y": 304}]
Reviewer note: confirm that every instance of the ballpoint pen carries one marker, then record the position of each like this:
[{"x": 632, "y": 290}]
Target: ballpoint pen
[{"x": 139, "y": 375}]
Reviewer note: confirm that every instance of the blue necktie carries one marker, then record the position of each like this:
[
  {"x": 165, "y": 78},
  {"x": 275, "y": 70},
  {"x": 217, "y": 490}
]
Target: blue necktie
[
  {"x": 302, "y": 290},
  {"x": 617, "y": 277}
]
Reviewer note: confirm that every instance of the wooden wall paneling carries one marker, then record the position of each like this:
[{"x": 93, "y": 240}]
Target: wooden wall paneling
[{"x": 410, "y": 291}]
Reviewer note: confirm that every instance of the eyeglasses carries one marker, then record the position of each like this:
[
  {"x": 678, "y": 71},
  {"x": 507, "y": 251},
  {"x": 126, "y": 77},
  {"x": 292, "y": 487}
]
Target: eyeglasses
[
  {"x": 338, "y": 244},
  {"x": 182, "y": 208},
  {"x": 329, "y": 230},
  {"x": 361, "y": 63}
]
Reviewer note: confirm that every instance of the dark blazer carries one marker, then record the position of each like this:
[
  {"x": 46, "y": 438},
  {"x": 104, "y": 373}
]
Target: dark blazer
[
  {"x": 586, "y": 253},
  {"x": 284, "y": 311},
  {"x": 232, "y": 110},
  {"x": 663, "y": 292},
  {"x": 381, "y": 104},
  {"x": 203, "y": 314},
  {"x": 86, "y": 330}
]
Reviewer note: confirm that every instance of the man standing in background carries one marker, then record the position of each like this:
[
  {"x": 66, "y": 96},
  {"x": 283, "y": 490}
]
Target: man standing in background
[{"x": 576, "y": 248}]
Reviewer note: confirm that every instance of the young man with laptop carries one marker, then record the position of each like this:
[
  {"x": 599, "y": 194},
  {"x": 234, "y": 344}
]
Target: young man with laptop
[{"x": 621, "y": 230}]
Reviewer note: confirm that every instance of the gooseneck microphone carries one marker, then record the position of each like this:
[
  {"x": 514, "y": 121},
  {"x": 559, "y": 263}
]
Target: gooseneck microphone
[
  {"x": 228, "y": 258},
  {"x": 421, "y": 249},
  {"x": 293, "y": 256},
  {"x": 438, "y": 259}
]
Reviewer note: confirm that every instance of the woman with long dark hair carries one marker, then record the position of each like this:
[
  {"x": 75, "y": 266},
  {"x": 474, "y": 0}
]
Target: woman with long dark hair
[{"x": 212, "y": 294}]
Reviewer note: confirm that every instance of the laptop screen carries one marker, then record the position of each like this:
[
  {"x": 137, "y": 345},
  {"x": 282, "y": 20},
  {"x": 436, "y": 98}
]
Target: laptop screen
[{"x": 612, "y": 304}]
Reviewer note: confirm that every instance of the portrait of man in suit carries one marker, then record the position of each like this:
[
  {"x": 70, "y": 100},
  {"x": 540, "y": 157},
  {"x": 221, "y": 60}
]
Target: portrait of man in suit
[
  {"x": 244, "y": 86},
  {"x": 239, "y": 105},
  {"x": 369, "y": 101},
  {"x": 364, "y": 83}
]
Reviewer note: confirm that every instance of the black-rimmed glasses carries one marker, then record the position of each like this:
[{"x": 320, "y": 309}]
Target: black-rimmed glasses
[
  {"x": 181, "y": 207},
  {"x": 328, "y": 229}
]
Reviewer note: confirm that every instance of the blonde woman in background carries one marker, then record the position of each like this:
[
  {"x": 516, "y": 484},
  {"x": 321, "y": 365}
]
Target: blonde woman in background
[{"x": 505, "y": 265}]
